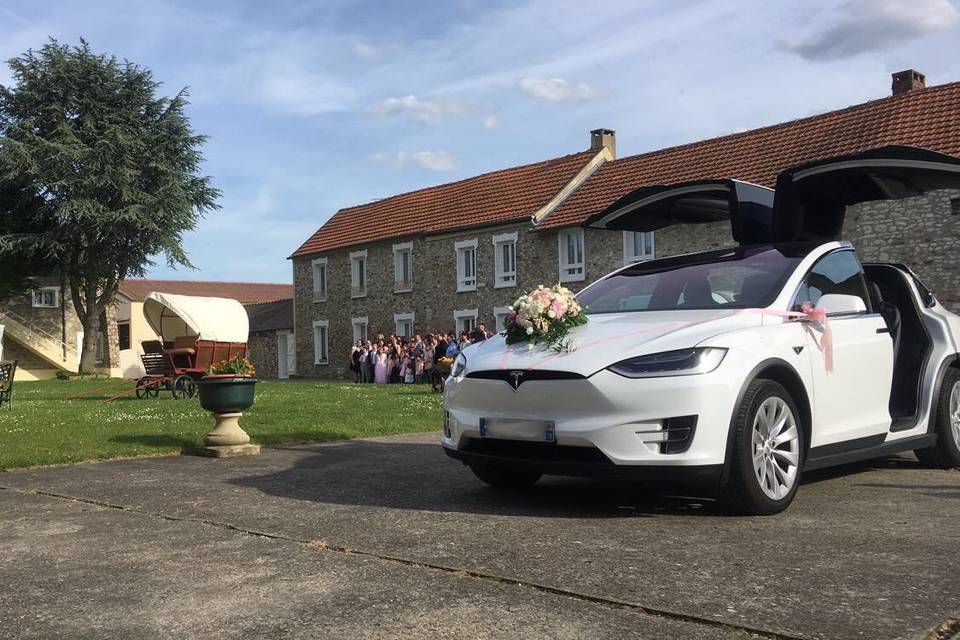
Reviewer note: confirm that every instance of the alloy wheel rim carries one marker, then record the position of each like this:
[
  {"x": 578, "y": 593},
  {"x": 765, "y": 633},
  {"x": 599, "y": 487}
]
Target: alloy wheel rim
[
  {"x": 776, "y": 446},
  {"x": 955, "y": 412}
]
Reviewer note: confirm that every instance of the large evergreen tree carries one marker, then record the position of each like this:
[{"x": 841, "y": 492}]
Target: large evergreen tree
[{"x": 98, "y": 174}]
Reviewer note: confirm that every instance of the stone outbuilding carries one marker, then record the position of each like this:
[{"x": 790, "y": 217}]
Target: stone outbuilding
[{"x": 270, "y": 346}]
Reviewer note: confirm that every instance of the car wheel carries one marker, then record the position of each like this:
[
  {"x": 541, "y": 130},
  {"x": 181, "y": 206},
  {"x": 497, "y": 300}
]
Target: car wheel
[
  {"x": 767, "y": 451},
  {"x": 505, "y": 478},
  {"x": 946, "y": 453}
]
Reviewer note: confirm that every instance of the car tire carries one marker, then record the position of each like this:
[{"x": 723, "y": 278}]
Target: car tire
[
  {"x": 945, "y": 454},
  {"x": 503, "y": 478},
  {"x": 767, "y": 455}
]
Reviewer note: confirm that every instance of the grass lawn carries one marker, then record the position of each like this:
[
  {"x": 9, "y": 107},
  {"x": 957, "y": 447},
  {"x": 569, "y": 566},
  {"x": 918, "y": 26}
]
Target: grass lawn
[{"x": 44, "y": 428}]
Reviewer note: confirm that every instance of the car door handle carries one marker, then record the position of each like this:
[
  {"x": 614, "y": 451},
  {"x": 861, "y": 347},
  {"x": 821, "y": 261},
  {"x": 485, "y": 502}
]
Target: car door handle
[{"x": 884, "y": 330}]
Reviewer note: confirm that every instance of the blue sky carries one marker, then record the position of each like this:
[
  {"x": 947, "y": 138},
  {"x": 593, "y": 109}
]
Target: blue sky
[{"x": 311, "y": 106}]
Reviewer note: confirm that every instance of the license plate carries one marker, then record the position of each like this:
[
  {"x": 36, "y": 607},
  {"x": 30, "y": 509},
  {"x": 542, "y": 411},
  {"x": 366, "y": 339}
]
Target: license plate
[{"x": 528, "y": 430}]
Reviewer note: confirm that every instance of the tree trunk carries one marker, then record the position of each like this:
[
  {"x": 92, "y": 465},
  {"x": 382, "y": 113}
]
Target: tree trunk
[
  {"x": 85, "y": 304},
  {"x": 91, "y": 328}
]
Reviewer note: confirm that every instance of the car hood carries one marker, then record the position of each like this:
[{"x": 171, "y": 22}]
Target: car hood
[{"x": 609, "y": 338}]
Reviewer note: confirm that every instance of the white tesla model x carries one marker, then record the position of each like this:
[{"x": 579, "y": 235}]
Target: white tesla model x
[{"x": 710, "y": 368}]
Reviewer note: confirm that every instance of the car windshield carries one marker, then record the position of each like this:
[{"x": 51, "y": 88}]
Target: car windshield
[{"x": 739, "y": 278}]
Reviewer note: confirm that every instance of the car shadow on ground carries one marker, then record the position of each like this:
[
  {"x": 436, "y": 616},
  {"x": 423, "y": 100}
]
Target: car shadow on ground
[{"x": 419, "y": 476}]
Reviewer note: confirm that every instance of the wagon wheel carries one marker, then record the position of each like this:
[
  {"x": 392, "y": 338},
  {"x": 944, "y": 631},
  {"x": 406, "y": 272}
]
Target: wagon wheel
[
  {"x": 146, "y": 390},
  {"x": 183, "y": 387}
]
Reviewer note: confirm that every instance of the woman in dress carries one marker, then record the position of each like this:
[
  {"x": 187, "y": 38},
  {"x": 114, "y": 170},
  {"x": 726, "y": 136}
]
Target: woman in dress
[
  {"x": 380, "y": 370},
  {"x": 405, "y": 365}
]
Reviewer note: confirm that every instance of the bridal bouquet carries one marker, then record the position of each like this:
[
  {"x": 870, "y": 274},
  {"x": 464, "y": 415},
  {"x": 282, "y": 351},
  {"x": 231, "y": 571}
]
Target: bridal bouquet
[{"x": 545, "y": 316}]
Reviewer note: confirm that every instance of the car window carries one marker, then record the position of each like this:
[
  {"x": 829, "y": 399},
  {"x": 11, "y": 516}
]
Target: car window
[
  {"x": 838, "y": 272},
  {"x": 732, "y": 279}
]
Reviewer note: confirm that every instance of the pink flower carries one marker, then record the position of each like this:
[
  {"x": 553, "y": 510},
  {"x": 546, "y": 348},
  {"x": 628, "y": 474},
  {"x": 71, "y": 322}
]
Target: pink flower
[{"x": 559, "y": 306}]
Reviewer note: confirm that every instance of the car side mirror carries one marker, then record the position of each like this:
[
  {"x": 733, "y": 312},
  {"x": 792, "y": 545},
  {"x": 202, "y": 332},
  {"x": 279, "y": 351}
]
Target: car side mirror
[{"x": 841, "y": 304}]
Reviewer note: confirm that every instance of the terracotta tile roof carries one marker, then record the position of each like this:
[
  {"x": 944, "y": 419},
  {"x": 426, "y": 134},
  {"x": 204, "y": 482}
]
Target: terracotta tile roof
[
  {"x": 925, "y": 118},
  {"x": 244, "y": 292},
  {"x": 490, "y": 198}
]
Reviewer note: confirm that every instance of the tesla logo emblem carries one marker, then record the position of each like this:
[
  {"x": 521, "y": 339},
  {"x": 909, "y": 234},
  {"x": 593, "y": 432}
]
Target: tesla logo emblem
[
  {"x": 797, "y": 350},
  {"x": 516, "y": 378}
]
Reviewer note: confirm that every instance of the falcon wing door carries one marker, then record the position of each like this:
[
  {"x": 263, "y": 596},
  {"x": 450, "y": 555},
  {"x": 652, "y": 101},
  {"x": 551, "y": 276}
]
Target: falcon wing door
[
  {"x": 811, "y": 199},
  {"x": 747, "y": 206}
]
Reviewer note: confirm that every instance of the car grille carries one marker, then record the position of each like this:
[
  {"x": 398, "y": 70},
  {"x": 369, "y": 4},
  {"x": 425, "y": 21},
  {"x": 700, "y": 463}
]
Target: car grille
[
  {"x": 528, "y": 375},
  {"x": 535, "y": 451}
]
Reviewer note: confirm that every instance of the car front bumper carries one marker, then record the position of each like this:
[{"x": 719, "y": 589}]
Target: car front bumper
[{"x": 602, "y": 425}]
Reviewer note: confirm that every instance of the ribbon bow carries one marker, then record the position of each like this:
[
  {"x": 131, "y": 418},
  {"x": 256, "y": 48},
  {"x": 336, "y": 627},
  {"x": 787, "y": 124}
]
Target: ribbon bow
[{"x": 813, "y": 314}]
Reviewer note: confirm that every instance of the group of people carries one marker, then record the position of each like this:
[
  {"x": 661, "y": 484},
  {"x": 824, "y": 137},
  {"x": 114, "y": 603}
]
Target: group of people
[{"x": 398, "y": 359}]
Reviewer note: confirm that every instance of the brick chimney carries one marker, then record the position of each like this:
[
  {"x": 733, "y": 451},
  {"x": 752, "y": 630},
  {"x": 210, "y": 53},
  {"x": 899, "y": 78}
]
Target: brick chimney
[
  {"x": 909, "y": 80},
  {"x": 600, "y": 138}
]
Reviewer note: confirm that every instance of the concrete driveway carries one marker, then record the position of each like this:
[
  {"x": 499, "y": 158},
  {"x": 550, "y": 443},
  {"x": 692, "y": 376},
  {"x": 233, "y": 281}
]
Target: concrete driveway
[{"x": 388, "y": 538}]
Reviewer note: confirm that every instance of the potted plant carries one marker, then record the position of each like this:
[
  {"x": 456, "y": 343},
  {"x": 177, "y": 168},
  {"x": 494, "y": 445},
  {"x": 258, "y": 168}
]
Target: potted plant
[
  {"x": 228, "y": 386},
  {"x": 226, "y": 391}
]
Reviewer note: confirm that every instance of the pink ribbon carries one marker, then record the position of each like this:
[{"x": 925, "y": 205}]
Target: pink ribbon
[
  {"x": 811, "y": 313},
  {"x": 808, "y": 313}
]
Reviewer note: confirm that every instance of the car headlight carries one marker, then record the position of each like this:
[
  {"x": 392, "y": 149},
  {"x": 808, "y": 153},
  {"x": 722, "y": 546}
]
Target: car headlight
[
  {"x": 459, "y": 366},
  {"x": 683, "y": 362}
]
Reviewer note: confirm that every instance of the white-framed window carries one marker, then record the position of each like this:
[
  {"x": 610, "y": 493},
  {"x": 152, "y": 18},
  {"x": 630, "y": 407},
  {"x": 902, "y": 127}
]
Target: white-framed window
[
  {"x": 320, "y": 344},
  {"x": 359, "y": 328},
  {"x": 403, "y": 267},
  {"x": 465, "y": 319},
  {"x": 319, "y": 279},
  {"x": 466, "y": 251},
  {"x": 358, "y": 274},
  {"x": 505, "y": 259},
  {"x": 570, "y": 245},
  {"x": 638, "y": 246},
  {"x": 403, "y": 324},
  {"x": 500, "y": 317},
  {"x": 46, "y": 297}
]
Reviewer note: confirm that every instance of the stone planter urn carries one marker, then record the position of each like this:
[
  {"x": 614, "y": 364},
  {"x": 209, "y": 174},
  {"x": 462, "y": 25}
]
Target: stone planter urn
[{"x": 226, "y": 396}]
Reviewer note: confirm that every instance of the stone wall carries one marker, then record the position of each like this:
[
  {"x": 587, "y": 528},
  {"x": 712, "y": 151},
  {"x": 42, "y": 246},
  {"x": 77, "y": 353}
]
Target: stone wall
[
  {"x": 923, "y": 233},
  {"x": 435, "y": 298},
  {"x": 262, "y": 352},
  {"x": 26, "y": 359},
  {"x": 47, "y": 320}
]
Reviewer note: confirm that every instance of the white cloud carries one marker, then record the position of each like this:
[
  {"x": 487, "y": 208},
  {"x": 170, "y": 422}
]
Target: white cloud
[
  {"x": 556, "y": 90},
  {"x": 431, "y": 160},
  {"x": 365, "y": 50},
  {"x": 491, "y": 121},
  {"x": 304, "y": 94},
  {"x": 428, "y": 111},
  {"x": 860, "y": 26}
]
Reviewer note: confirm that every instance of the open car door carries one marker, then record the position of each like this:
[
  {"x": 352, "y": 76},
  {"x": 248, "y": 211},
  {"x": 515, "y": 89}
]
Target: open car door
[
  {"x": 811, "y": 199},
  {"x": 747, "y": 206}
]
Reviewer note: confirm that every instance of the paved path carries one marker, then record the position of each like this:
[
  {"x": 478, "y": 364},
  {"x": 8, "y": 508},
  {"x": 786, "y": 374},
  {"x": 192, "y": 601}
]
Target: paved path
[{"x": 388, "y": 538}]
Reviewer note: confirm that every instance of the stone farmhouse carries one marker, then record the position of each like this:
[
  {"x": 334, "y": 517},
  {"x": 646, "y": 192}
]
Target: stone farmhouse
[
  {"x": 455, "y": 255},
  {"x": 42, "y": 332}
]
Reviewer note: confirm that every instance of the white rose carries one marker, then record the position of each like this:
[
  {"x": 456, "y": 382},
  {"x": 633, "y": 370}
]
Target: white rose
[{"x": 529, "y": 330}]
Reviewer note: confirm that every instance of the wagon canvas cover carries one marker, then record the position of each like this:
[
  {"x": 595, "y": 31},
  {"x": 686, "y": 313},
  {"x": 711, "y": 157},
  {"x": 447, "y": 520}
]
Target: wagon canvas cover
[{"x": 217, "y": 319}]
